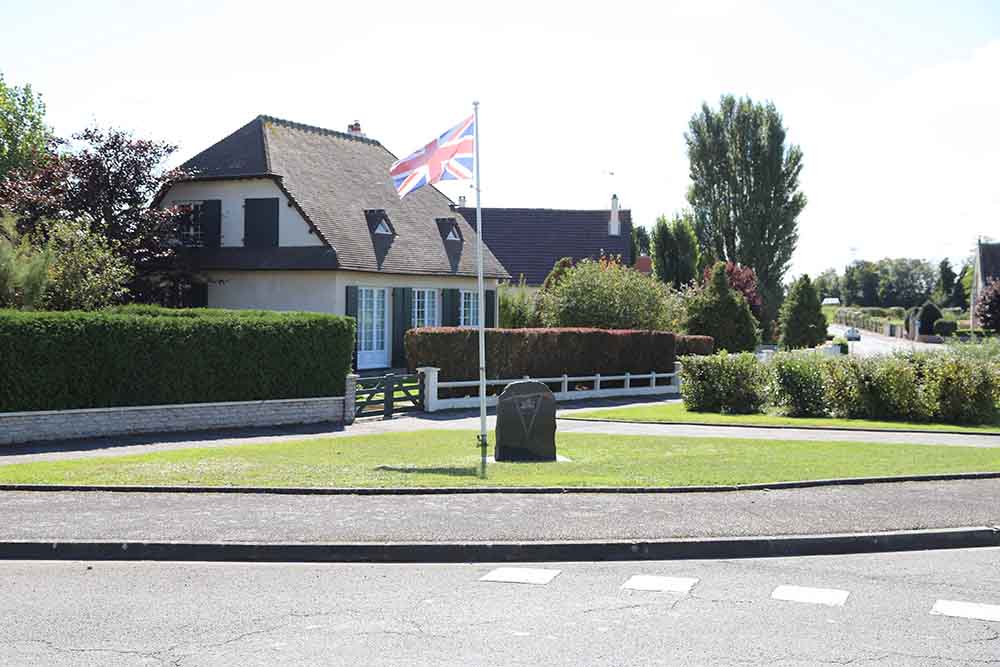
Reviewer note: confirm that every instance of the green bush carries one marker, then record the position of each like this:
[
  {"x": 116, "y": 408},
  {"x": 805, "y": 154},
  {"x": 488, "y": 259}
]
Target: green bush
[
  {"x": 897, "y": 313},
  {"x": 927, "y": 316},
  {"x": 513, "y": 353},
  {"x": 961, "y": 391},
  {"x": 86, "y": 271},
  {"x": 517, "y": 306},
  {"x": 945, "y": 328},
  {"x": 797, "y": 384},
  {"x": 604, "y": 293},
  {"x": 153, "y": 356},
  {"x": 700, "y": 345},
  {"x": 718, "y": 311},
  {"x": 803, "y": 323},
  {"x": 883, "y": 388},
  {"x": 726, "y": 383}
]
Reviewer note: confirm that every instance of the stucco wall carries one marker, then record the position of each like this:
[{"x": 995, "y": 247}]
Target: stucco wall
[{"x": 293, "y": 230}]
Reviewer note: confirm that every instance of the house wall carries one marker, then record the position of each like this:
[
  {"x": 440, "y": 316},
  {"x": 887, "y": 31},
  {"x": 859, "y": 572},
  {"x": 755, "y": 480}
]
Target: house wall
[{"x": 293, "y": 230}]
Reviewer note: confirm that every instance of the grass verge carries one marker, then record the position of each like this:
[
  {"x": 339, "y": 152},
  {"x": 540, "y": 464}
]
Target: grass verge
[
  {"x": 450, "y": 458},
  {"x": 675, "y": 412}
]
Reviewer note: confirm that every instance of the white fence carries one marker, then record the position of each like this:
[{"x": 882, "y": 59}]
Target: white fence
[{"x": 645, "y": 384}]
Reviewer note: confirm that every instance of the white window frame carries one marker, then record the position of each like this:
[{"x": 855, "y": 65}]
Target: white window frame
[
  {"x": 192, "y": 235},
  {"x": 473, "y": 295},
  {"x": 374, "y": 358},
  {"x": 429, "y": 296}
]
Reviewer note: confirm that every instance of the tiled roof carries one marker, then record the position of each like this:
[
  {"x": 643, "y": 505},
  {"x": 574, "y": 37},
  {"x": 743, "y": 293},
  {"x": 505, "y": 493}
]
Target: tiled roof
[
  {"x": 333, "y": 178},
  {"x": 528, "y": 241}
]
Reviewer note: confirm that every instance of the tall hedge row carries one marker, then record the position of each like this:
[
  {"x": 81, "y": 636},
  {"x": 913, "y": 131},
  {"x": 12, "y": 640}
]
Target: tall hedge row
[
  {"x": 513, "y": 353},
  {"x": 153, "y": 356}
]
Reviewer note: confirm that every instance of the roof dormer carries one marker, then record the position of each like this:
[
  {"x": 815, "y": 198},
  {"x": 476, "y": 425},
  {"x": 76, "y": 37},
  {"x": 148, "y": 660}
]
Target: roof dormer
[{"x": 379, "y": 223}]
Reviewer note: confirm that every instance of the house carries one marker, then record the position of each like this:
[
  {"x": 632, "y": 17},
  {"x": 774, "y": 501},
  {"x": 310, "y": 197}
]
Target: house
[
  {"x": 285, "y": 216},
  {"x": 986, "y": 268},
  {"x": 529, "y": 241}
]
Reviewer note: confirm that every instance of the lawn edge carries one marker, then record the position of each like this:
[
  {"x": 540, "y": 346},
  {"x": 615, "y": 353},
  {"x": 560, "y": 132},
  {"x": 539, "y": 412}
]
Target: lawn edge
[
  {"x": 862, "y": 429},
  {"x": 537, "y": 490},
  {"x": 492, "y": 552}
]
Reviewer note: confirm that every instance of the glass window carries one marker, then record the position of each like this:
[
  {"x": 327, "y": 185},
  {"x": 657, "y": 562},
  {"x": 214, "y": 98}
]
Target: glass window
[
  {"x": 469, "y": 313},
  {"x": 425, "y": 308},
  {"x": 189, "y": 224}
]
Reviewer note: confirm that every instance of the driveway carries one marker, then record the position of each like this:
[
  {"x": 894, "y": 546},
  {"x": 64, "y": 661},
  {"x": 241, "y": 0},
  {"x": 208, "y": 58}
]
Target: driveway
[{"x": 873, "y": 344}]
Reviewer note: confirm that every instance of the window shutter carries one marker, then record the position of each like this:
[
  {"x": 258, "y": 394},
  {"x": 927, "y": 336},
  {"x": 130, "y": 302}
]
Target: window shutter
[
  {"x": 450, "y": 303},
  {"x": 260, "y": 223},
  {"x": 351, "y": 310},
  {"x": 211, "y": 223},
  {"x": 402, "y": 320},
  {"x": 491, "y": 308}
]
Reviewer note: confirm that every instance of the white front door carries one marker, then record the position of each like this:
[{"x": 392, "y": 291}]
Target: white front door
[{"x": 373, "y": 327}]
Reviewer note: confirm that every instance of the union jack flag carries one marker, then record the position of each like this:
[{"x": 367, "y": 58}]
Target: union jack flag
[{"x": 447, "y": 158}]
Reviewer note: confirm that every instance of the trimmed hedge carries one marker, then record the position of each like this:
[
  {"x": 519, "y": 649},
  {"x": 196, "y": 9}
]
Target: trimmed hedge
[
  {"x": 156, "y": 356},
  {"x": 700, "y": 345},
  {"x": 797, "y": 385},
  {"x": 726, "y": 383},
  {"x": 513, "y": 353},
  {"x": 945, "y": 328}
]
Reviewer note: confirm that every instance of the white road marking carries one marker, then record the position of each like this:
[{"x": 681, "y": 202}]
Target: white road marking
[
  {"x": 981, "y": 612},
  {"x": 829, "y": 596},
  {"x": 647, "y": 582},
  {"x": 521, "y": 575}
]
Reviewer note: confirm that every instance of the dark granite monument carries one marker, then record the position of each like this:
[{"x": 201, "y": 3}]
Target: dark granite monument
[{"x": 526, "y": 423}]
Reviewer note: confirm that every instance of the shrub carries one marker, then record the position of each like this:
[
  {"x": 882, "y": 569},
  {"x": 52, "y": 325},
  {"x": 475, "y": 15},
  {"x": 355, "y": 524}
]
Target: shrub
[
  {"x": 961, "y": 390},
  {"x": 727, "y": 383},
  {"x": 604, "y": 293},
  {"x": 718, "y": 311},
  {"x": 513, "y": 353},
  {"x": 797, "y": 384},
  {"x": 945, "y": 328},
  {"x": 61, "y": 360},
  {"x": 23, "y": 269},
  {"x": 803, "y": 323},
  {"x": 875, "y": 388},
  {"x": 85, "y": 273},
  {"x": 988, "y": 306},
  {"x": 927, "y": 316},
  {"x": 517, "y": 307},
  {"x": 897, "y": 313},
  {"x": 700, "y": 345}
]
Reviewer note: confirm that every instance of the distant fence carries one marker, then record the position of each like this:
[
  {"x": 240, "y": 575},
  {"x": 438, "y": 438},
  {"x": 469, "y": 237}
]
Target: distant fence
[{"x": 564, "y": 387}]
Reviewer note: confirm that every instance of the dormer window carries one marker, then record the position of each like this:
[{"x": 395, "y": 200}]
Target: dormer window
[
  {"x": 448, "y": 228},
  {"x": 379, "y": 223}
]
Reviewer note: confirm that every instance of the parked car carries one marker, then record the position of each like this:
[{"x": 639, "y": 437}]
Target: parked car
[{"x": 852, "y": 334}]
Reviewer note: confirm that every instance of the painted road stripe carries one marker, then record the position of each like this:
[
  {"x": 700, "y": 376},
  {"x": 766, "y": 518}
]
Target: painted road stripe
[
  {"x": 828, "y": 596},
  {"x": 980, "y": 612},
  {"x": 521, "y": 575},
  {"x": 646, "y": 582}
]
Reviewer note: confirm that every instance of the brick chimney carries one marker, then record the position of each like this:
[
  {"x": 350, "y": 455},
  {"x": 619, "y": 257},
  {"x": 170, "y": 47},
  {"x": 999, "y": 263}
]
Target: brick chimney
[{"x": 355, "y": 129}]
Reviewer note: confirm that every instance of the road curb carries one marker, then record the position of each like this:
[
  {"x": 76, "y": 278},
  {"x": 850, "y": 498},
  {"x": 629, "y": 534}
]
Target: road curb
[
  {"x": 529, "y": 490},
  {"x": 490, "y": 552},
  {"x": 786, "y": 427}
]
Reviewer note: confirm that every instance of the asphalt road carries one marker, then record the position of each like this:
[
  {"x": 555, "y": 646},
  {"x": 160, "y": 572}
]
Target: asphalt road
[
  {"x": 872, "y": 344},
  {"x": 239, "y": 614}
]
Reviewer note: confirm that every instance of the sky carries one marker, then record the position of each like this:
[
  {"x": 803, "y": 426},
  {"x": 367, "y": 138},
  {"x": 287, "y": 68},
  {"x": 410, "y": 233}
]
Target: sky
[{"x": 894, "y": 104}]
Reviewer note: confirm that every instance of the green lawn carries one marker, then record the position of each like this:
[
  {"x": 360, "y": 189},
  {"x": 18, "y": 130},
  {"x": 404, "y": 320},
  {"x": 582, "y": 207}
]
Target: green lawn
[
  {"x": 675, "y": 412},
  {"x": 450, "y": 458}
]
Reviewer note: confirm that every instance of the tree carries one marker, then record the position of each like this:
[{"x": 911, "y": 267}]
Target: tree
[
  {"x": 517, "y": 308},
  {"x": 85, "y": 273},
  {"x": 802, "y": 321},
  {"x": 827, "y": 284},
  {"x": 860, "y": 286},
  {"x": 605, "y": 294},
  {"x": 719, "y": 311},
  {"x": 745, "y": 190},
  {"x": 904, "y": 282},
  {"x": 675, "y": 250},
  {"x": 945, "y": 283},
  {"x": 24, "y": 138},
  {"x": 108, "y": 185},
  {"x": 640, "y": 242},
  {"x": 988, "y": 306},
  {"x": 959, "y": 297},
  {"x": 743, "y": 280},
  {"x": 23, "y": 269}
]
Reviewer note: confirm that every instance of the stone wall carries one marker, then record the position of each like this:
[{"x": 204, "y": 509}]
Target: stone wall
[{"x": 22, "y": 427}]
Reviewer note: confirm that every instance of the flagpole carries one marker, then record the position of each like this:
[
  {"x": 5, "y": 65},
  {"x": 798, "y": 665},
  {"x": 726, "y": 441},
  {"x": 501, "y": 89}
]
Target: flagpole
[{"x": 482, "y": 303}]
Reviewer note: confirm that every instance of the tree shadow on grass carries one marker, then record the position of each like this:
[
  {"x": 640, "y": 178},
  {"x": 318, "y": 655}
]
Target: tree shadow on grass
[{"x": 451, "y": 471}]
